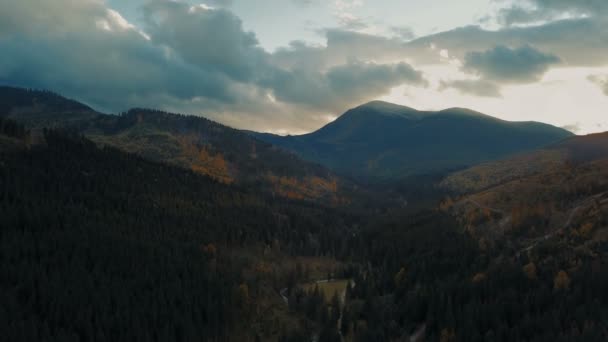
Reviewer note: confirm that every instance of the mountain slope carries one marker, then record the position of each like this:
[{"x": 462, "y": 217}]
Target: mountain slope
[
  {"x": 98, "y": 244},
  {"x": 40, "y": 109},
  {"x": 195, "y": 143},
  {"x": 569, "y": 152},
  {"x": 380, "y": 140},
  {"x": 561, "y": 198}
]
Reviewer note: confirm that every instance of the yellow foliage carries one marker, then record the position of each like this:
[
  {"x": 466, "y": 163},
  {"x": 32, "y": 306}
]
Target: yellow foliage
[
  {"x": 561, "y": 281},
  {"x": 243, "y": 295}
]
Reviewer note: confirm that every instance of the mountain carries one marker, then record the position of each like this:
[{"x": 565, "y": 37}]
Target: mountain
[
  {"x": 380, "y": 140},
  {"x": 99, "y": 244},
  {"x": 206, "y": 147},
  {"x": 42, "y": 109},
  {"x": 570, "y": 152}
]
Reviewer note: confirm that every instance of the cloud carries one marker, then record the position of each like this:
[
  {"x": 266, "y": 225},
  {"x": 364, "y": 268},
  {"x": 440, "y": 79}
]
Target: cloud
[
  {"x": 509, "y": 65},
  {"x": 305, "y": 3},
  {"x": 341, "y": 86},
  {"x": 201, "y": 59},
  {"x": 601, "y": 81},
  {"x": 349, "y": 21},
  {"x": 220, "y": 3},
  {"x": 526, "y": 11},
  {"x": 481, "y": 88},
  {"x": 403, "y": 32},
  {"x": 207, "y": 38},
  {"x": 564, "y": 38},
  {"x": 193, "y": 59},
  {"x": 114, "y": 62},
  {"x": 342, "y": 46}
]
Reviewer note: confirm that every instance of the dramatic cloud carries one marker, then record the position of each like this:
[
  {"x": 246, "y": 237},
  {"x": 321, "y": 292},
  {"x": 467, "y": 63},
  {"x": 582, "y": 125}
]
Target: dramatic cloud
[
  {"x": 342, "y": 46},
  {"x": 92, "y": 53},
  {"x": 481, "y": 88},
  {"x": 210, "y": 39},
  {"x": 564, "y": 39},
  {"x": 185, "y": 58},
  {"x": 577, "y": 42},
  {"x": 343, "y": 85},
  {"x": 503, "y": 64},
  {"x": 180, "y": 55}
]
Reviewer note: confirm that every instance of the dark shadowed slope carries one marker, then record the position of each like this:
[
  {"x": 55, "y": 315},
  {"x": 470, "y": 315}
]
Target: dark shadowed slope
[
  {"x": 380, "y": 140},
  {"x": 195, "y": 143},
  {"x": 38, "y": 109}
]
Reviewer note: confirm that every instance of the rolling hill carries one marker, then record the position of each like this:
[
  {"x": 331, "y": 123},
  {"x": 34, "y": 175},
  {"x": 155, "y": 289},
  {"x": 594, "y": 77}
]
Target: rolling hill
[
  {"x": 206, "y": 147},
  {"x": 571, "y": 152},
  {"x": 556, "y": 196},
  {"x": 383, "y": 141},
  {"x": 94, "y": 229}
]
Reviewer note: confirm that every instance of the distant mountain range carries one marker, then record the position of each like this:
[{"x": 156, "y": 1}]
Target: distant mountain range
[
  {"x": 377, "y": 141},
  {"x": 206, "y": 147},
  {"x": 198, "y": 228},
  {"x": 384, "y": 141}
]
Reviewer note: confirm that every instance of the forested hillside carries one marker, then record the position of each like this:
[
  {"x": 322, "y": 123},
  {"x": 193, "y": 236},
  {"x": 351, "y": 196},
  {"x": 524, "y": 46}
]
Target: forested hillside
[
  {"x": 102, "y": 245},
  {"x": 98, "y": 244},
  {"x": 203, "y": 146}
]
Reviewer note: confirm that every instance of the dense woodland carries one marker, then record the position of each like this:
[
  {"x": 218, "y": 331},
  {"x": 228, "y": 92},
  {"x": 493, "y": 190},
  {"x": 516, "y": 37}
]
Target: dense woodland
[
  {"x": 99, "y": 245},
  {"x": 426, "y": 274},
  {"x": 102, "y": 245}
]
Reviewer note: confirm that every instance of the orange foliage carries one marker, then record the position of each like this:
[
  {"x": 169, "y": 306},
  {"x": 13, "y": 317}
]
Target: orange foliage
[
  {"x": 262, "y": 268},
  {"x": 303, "y": 188},
  {"x": 586, "y": 230},
  {"x": 478, "y": 278},
  {"x": 561, "y": 281},
  {"x": 203, "y": 162}
]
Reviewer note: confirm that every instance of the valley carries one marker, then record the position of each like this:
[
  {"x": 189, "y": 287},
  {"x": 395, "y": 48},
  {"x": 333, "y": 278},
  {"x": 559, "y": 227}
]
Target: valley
[
  {"x": 155, "y": 226},
  {"x": 303, "y": 171}
]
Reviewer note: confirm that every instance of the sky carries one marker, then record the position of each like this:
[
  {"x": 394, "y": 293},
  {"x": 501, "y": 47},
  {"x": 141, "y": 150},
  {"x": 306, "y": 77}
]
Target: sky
[{"x": 292, "y": 66}]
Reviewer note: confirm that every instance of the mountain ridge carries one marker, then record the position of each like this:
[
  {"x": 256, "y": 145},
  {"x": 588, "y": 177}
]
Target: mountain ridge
[
  {"x": 379, "y": 140},
  {"x": 226, "y": 154}
]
